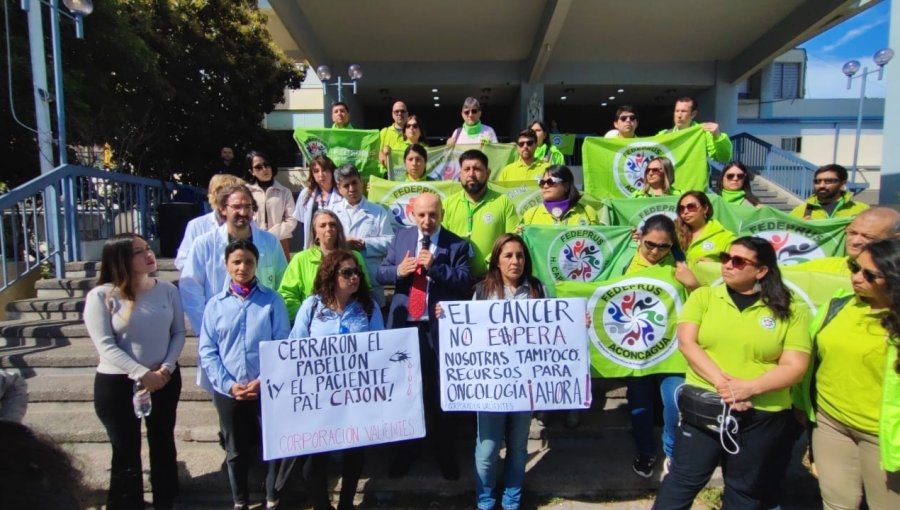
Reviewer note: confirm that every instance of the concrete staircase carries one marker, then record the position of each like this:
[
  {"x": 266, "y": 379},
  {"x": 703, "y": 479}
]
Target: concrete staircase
[
  {"x": 773, "y": 195},
  {"x": 47, "y": 342}
]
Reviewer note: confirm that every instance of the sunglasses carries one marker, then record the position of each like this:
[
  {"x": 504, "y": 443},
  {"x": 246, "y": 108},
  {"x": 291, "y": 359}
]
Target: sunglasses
[
  {"x": 691, "y": 207},
  {"x": 525, "y": 143},
  {"x": 737, "y": 261},
  {"x": 261, "y": 166},
  {"x": 651, "y": 246},
  {"x": 654, "y": 170},
  {"x": 473, "y": 111},
  {"x": 399, "y": 112},
  {"x": 412, "y": 126},
  {"x": 869, "y": 275},
  {"x": 734, "y": 177},
  {"x": 350, "y": 272},
  {"x": 826, "y": 180},
  {"x": 623, "y": 118},
  {"x": 550, "y": 181}
]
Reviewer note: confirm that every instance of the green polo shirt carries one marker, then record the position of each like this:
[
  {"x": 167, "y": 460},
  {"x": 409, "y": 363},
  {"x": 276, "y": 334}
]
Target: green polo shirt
[
  {"x": 713, "y": 240},
  {"x": 582, "y": 214},
  {"x": 852, "y": 352},
  {"x": 390, "y": 137},
  {"x": 744, "y": 344},
  {"x": 639, "y": 263},
  {"x": 519, "y": 171},
  {"x": 833, "y": 265},
  {"x": 481, "y": 223},
  {"x": 300, "y": 276}
]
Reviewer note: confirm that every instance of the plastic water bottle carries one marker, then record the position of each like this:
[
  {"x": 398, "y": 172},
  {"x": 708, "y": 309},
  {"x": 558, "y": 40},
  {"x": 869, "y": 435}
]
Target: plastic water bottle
[{"x": 141, "y": 401}]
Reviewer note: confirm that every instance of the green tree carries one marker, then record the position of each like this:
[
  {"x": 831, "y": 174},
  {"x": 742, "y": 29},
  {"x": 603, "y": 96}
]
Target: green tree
[{"x": 166, "y": 83}]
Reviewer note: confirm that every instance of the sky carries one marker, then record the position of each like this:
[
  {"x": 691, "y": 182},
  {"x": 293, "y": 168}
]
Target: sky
[{"x": 855, "y": 39}]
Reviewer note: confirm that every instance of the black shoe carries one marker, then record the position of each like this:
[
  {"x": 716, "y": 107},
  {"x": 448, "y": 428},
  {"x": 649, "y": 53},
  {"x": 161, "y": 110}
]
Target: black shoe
[
  {"x": 573, "y": 419},
  {"x": 643, "y": 465}
]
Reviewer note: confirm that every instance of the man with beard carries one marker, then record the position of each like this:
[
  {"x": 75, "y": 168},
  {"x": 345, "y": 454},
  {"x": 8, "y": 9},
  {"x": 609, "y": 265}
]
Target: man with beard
[
  {"x": 526, "y": 168},
  {"x": 477, "y": 213},
  {"x": 830, "y": 200}
]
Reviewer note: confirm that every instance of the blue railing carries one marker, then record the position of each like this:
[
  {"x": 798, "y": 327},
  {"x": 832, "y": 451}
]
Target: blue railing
[{"x": 88, "y": 204}]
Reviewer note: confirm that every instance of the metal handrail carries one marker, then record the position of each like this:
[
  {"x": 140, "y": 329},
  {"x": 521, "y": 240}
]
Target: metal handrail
[{"x": 45, "y": 220}]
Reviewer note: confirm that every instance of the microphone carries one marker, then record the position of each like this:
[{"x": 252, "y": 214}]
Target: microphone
[{"x": 426, "y": 242}]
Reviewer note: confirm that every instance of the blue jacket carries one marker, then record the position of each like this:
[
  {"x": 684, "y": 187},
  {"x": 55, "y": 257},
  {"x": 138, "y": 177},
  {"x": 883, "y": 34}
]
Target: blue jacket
[
  {"x": 316, "y": 319},
  {"x": 231, "y": 332}
]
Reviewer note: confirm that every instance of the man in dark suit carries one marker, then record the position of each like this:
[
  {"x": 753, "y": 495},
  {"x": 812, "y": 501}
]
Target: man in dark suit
[{"x": 426, "y": 264}]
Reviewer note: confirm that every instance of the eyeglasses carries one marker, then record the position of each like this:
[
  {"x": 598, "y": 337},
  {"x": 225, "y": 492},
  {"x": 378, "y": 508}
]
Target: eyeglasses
[
  {"x": 734, "y": 177},
  {"x": 525, "y": 143},
  {"x": 737, "y": 261},
  {"x": 412, "y": 126},
  {"x": 473, "y": 111},
  {"x": 689, "y": 207},
  {"x": 651, "y": 246},
  {"x": 261, "y": 166},
  {"x": 550, "y": 181},
  {"x": 399, "y": 112},
  {"x": 869, "y": 275},
  {"x": 240, "y": 207},
  {"x": 350, "y": 272},
  {"x": 826, "y": 180},
  {"x": 654, "y": 170},
  {"x": 623, "y": 118}
]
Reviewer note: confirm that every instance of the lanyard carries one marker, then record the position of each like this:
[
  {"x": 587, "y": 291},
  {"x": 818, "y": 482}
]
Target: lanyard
[{"x": 470, "y": 217}]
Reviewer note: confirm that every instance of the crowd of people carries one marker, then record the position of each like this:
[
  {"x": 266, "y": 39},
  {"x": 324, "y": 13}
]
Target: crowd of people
[{"x": 751, "y": 352}]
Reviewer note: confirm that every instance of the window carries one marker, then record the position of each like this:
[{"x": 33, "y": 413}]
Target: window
[
  {"x": 791, "y": 144},
  {"x": 785, "y": 80}
]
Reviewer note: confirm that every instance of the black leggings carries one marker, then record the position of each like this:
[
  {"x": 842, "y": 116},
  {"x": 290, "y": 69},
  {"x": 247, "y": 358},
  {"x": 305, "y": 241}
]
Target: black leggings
[{"x": 112, "y": 402}]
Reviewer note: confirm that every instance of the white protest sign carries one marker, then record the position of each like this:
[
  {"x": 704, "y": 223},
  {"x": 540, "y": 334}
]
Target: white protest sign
[
  {"x": 514, "y": 355},
  {"x": 334, "y": 392}
]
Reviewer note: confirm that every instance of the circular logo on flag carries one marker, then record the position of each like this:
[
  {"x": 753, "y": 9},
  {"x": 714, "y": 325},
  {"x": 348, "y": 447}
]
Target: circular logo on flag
[
  {"x": 399, "y": 201},
  {"x": 556, "y": 140},
  {"x": 315, "y": 147},
  {"x": 578, "y": 255},
  {"x": 634, "y": 321},
  {"x": 630, "y": 161},
  {"x": 793, "y": 243}
]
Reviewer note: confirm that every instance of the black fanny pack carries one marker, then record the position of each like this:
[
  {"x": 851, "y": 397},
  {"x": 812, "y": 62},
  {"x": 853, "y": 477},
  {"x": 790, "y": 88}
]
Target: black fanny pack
[{"x": 701, "y": 408}]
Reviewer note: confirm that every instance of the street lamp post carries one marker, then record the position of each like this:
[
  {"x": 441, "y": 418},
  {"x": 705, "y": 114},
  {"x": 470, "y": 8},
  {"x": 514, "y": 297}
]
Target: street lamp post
[
  {"x": 850, "y": 68},
  {"x": 324, "y": 73}
]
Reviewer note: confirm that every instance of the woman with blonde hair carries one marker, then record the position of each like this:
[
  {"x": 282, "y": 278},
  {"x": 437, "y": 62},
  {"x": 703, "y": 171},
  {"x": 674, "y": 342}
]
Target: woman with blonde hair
[{"x": 659, "y": 174}]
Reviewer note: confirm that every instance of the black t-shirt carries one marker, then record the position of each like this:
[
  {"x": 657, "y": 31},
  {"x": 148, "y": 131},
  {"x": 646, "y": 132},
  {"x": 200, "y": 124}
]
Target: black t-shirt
[{"x": 743, "y": 301}]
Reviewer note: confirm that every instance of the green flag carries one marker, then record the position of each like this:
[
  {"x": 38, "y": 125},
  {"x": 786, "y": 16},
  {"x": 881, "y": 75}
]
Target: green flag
[
  {"x": 579, "y": 254},
  {"x": 633, "y": 211},
  {"x": 397, "y": 197},
  {"x": 564, "y": 142},
  {"x": 356, "y": 146},
  {"x": 614, "y": 167},
  {"x": 633, "y": 322},
  {"x": 794, "y": 239},
  {"x": 443, "y": 161}
]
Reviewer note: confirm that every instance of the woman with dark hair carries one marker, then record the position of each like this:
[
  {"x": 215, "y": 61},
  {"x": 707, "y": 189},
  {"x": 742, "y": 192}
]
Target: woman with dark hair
[
  {"x": 274, "y": 202},
  {"x": 657, "y": 247},
  {"x": 414, "y": 132},
  {"x": 546, "y": 151},
  {"x": 856, "y": 401},
  {"x": 320, "y": 193},
  {"x": 340, "y": 304},
  {"x": 745, "y": 343},
  {"x": 509, "y": 276},
  {"x": 659, "y": 174},
  {"x": 137, "y": 325},
  {"x": 299, "y": 278},
  {"x": 700, "y": 236},
  {"x": 562, "y": 201},
  {"x": 415, "y": 158},
  {"x": 734, "y": 185},
  {"x": 235, "y": 322}
]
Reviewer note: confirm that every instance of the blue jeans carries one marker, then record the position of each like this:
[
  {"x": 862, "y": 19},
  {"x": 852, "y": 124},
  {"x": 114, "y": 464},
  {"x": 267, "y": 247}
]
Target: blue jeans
[
  {"x": 492, "y": 428},
  {"x": 641, "y": 391}
]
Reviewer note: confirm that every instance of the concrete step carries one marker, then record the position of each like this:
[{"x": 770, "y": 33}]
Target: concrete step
[
  {"x": 37, "y": 309},
  {"x": 25, "y": 332},
  {"x": 71, "y": 352},
  {"x": 55, "y": 288}
]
